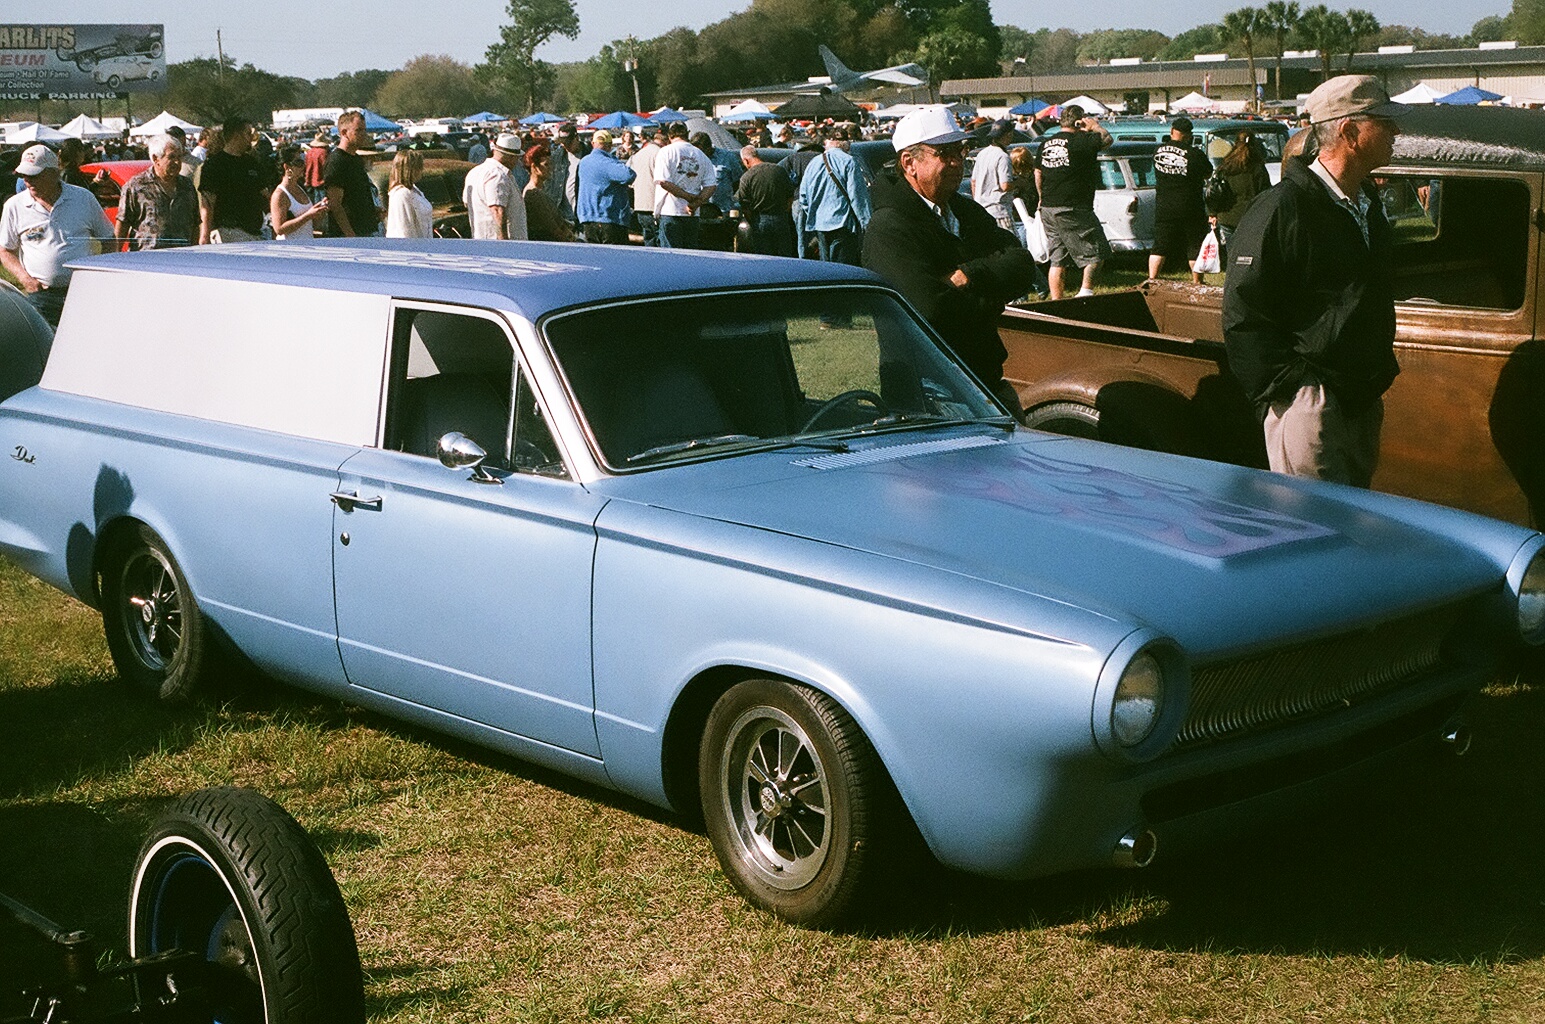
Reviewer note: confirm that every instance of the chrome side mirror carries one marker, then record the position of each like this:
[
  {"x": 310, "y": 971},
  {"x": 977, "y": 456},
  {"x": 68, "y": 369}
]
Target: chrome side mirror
[{"x": 458, "y": 451}]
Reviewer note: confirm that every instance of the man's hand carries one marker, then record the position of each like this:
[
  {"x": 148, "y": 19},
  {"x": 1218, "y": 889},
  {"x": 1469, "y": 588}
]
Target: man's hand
[{"x": 959, "y": 278}]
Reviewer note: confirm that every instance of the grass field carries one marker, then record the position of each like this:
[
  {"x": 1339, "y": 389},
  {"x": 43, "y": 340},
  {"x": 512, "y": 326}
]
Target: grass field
[{"x": 485, "y": 890}]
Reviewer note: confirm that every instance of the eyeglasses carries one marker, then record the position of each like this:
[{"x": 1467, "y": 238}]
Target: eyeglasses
[{"x": 950, "y": 151}]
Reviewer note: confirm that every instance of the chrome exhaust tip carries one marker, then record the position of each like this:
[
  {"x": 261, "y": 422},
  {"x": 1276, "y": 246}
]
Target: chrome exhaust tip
[
  {"x": 1136, "y": 849},
  {"x": 1456, "y": 737}
]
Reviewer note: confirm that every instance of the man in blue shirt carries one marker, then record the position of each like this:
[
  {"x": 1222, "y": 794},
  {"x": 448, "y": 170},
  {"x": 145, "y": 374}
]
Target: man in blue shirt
[
  {"x": 834, "y": 198},
  {"x": 605, "y": 199}
]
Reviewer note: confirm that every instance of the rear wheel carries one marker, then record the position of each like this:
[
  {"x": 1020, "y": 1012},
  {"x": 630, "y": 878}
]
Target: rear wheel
[
  {"x": 229, "y": 874},
  {"x": 798, "y": 807},
  {"x": 154, "y": 630}
]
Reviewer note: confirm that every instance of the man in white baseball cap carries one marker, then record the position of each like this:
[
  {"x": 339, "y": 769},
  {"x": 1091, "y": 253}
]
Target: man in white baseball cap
[
  {"x": 942, "y": 251},
  {"x": 45, "y": 228},
  {"x": 494, "y": 204},
  {"x": 1309, "y": 305}
]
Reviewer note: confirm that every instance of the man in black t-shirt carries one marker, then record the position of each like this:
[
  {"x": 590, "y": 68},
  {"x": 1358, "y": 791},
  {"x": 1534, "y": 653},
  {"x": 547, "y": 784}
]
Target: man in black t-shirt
[
  {"x": 1180, "y": 212},
  {"x": 1067, "y": 173},
  {"x": 231, "y": 193},
  {"x": 351, "y": 202},
  {"x": 764, "y": 195}
]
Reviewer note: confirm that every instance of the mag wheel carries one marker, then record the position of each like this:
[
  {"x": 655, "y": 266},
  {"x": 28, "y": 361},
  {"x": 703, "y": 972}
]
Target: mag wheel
[
  {"x": 229, "y": 874},
  {"x": 154, "y": 630},
  {"x": 800, "y": 812}
]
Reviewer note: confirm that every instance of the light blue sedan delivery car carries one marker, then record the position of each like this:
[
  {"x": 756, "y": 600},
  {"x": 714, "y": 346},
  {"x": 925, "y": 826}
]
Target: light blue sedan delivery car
[{"x": 736, "y": 536}]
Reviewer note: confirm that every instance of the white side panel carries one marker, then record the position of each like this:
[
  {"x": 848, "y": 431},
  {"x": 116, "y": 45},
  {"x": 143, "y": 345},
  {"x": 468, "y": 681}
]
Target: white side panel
[{"x": 302, "y": 361}]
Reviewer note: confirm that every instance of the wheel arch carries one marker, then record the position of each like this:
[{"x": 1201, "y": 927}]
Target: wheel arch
[{"x": 688, "y": 718}]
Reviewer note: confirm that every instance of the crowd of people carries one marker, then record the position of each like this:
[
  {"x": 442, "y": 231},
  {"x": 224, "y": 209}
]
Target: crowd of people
[{"x": 958, "y": 257}]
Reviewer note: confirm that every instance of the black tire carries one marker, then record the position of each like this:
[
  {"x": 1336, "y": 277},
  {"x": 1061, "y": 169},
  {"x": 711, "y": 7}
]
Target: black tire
[
  {"x": 114, "y": 81},
  {"x": 230, "y": 873},
  {"x": 155, "y": 50},
  {"x": 1071, "y": 418},
  {"x": 155, "y": 632},
  {"x": 810, "y": 843}
]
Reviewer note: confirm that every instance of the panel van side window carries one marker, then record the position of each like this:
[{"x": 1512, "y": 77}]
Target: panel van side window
[{"x": 1459, "y": 241}]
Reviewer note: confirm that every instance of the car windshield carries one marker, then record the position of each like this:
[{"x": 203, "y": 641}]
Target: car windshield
[{"x": 685, "y": 377}]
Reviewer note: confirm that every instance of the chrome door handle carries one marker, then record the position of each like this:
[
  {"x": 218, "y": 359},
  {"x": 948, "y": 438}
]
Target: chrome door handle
[{"x": 348, "y": 501}]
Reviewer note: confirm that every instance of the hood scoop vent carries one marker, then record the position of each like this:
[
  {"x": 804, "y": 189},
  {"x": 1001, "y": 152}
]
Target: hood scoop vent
[{"x": 891, "y": 453}]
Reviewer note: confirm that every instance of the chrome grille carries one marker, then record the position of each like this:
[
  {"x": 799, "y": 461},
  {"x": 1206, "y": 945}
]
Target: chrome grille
[{"x": 1254, "y": 694}]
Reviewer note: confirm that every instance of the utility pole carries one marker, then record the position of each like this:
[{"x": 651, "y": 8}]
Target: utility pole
[
  {"x": 219, "y": 61},
  {"x": 630, "y": 65}
]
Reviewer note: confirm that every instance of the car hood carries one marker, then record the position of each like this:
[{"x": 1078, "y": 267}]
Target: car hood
[{"x": 1217, "y": 557}]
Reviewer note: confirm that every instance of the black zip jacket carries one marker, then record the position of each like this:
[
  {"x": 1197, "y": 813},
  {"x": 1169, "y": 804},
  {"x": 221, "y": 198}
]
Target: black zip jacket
[
  {"x": 1306, "y": 301},
  {"x": 906, "y": 244}
]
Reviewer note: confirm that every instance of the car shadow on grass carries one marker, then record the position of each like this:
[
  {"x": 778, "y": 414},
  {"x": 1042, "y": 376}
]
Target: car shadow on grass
[{"x": 1441, "y": 867}]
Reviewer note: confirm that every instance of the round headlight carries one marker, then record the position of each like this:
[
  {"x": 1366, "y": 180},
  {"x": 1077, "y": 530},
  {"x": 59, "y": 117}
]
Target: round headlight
[
  {"x": 1531, "y": 600},
  {"x": 1139, "y": 699}
]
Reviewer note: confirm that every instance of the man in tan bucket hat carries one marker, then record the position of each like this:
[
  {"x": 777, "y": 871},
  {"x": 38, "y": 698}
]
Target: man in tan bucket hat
[{"x": 1308, "y": 306}]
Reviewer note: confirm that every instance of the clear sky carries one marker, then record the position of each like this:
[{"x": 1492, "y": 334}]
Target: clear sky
[{"x": 312, "y": 39}]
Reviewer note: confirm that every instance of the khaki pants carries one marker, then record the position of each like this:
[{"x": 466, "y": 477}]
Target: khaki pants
[{"x": 1313, "y": 436}]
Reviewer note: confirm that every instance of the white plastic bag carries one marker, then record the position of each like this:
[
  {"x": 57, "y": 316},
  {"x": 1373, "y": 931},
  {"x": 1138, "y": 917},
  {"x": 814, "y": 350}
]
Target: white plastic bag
[
  {"x": 1035, "y": 232},
  {"x": 1208, "y": 258}
]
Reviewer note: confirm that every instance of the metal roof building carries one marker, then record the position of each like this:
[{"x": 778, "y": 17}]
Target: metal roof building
[{"x": 1513, "y": 71}]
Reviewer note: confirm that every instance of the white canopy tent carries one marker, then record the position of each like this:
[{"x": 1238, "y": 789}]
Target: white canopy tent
[
  {"x": 88, "y": 129},
  {"x": 1195, "y": 102},
  {"x": 748, "y": 107},
  {"x": 1421, "y": 92},
  {"x": 34, "y": 132},
  {"x": 1091, "y": 105},
  {"x": 160, "y": 123}
]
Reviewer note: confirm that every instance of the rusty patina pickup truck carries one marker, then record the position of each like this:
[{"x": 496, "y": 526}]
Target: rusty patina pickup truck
[{"x": 1465, "y": 420}]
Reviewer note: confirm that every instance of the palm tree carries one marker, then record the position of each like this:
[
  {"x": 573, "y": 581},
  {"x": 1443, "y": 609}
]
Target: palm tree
[
  {"x": 1327, "y": 31},
  {"x": 1361, "y": 26},
  {"x": 1280, "y": 18},
  {"x": 1242, "y": 25}
]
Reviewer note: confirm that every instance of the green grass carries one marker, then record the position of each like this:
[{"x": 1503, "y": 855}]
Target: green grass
[{"x": 483, "y": 889}]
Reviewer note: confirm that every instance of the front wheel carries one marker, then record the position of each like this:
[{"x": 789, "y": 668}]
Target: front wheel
[
  {"x": 798, "y": 807},
  {"x": 229, "y": 874},
  {"x": 155, "y": 632},
  {"x": 114, "y": 81}
]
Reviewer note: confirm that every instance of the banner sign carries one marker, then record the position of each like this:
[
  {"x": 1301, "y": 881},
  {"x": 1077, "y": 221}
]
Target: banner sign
[{"x": 81, "y": 60}]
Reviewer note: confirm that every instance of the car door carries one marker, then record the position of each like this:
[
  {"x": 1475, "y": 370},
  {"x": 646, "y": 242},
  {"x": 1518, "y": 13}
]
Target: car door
[{"x": 467, "y": 591}]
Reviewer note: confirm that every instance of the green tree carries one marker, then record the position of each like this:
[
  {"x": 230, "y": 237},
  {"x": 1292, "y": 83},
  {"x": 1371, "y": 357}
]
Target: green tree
[
  {"x": 1528, "y": 18},
  {"x": 1490, "y": 29},
  {"x": 953, "y": 52},
  {"x": 1055, "y": 50},
  {"x": 1280, "y": 18},
  {"x": 1244, "y": 25},
  {"x": 350, "y": 89},
  {"x": 511, "y": 63},
  {"x": 209, "y": 93},
  {"x": 1202, "y": 39},
  {"x": 1014, "y": 43},
  {"x": 430, "y": 85},
  {"x": 1362, "y": 26},
  {"x": 1327, "y": 31},
  {"x": 1104, "y": 44}
]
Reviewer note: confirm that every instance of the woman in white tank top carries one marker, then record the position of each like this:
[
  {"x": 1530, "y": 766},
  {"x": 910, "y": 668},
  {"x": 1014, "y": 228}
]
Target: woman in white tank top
[{"x": 293, "y": 220}]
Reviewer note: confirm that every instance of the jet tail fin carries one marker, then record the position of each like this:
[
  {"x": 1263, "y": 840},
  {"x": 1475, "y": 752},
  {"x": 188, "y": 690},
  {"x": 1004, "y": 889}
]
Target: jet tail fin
[{"x": 838, "y": 72}]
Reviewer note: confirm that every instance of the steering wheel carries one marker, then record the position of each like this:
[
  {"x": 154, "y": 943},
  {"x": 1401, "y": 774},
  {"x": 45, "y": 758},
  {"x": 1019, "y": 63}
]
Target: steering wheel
[{"x": 856, "y": 395}]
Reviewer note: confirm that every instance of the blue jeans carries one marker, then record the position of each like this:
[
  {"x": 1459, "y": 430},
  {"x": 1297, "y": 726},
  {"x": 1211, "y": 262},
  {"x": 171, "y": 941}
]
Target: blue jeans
[
  {"x": 649, "y": 228},
  {"x": 678, "y": 232},
  {"x": 772, "y": 234},
  {"x": 49, "y": 302},
  {"x": 841, "y": 246}
]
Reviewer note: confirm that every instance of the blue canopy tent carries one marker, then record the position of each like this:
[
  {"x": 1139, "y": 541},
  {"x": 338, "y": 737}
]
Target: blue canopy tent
[
  {"x": 376, "y": 123},
  {"x": 1468, "y": 96},
  {"x": 1030, "y": 106},
  {"x": 749, "y": 115},
  {"x": 542, "y": 117},
  {"x": 665, "y": 114},
  {"x": 619, "y": 119},
  {"x": 483, "y": 117}
]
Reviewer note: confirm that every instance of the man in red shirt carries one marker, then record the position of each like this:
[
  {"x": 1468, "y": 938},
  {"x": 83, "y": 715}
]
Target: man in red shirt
[{"x": 316, "y": 161}]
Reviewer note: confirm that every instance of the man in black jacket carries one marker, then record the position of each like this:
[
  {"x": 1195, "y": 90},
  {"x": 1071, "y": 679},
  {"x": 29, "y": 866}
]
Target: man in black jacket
[
  {"x": 942, "y": 251},
  {"x": 1308, "y": 307}
]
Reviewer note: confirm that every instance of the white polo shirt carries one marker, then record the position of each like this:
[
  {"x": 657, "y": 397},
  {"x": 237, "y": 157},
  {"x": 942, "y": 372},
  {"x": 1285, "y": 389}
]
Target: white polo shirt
[{"x": 47, "y": 239}]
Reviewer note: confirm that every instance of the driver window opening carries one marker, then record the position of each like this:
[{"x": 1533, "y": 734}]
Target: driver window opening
[{"x": 452, "y": 372}]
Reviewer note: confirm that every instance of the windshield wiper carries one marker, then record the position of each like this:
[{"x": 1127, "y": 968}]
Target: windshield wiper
[
  {"x": 931, "y": 419},
  {"x": 694, "y": 443}
]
